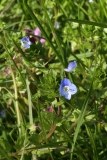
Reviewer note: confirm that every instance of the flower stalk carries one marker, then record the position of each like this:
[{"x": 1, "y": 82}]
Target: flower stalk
[{"x": 16, "y": 100}]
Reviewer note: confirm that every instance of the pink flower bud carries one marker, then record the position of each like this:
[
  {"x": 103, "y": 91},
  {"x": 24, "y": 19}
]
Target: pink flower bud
[
  {"x": 42, "y": 41},
  {"x": 49, "y": 109},
  {"x": 37, "y": 32}
]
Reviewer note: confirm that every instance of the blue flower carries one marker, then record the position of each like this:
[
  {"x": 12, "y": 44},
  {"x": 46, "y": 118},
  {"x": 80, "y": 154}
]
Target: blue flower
[
  {"x": 71, "y": 66},
  {"x": 2, "y": 114},
  {"x": 57, "y": 25},
  {"x": 25, "y": 42},
  {"x": 67, "y": 89}
]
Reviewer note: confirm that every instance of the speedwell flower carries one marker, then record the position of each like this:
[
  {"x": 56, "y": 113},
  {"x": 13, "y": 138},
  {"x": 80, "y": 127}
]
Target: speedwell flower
[
  {"x": 71, "y": 66},
  {"x": 25, "y": 42},
  {"x": 2, "y": 114},
  {"x": 57, "y": 25},
  {"x": 67, "y": 89}
]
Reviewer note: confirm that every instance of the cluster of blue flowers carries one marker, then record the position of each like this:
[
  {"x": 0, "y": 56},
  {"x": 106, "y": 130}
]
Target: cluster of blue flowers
[{"x": 67, "y": 89}]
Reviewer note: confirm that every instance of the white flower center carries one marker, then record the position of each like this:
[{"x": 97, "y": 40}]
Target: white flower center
[
  {"x": 24, "y": 42},
  {"x": 66, "y": 89}
]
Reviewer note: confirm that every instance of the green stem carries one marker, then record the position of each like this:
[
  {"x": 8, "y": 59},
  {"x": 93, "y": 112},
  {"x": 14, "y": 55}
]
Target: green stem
[
  {"x": 16, "y": 100},
  {"x": 29, "y": 102},
  {"x": 7, "y": 91}
]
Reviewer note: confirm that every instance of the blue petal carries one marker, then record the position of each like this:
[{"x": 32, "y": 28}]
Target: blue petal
[
  {"x": 25, "y": 39},
  {"x": 71, "y": 66},
  {"x": 73, "y": 89},
  {"x": 64, "y": 82},
  {"x": 26, "y": 46},
  {"x": 68, "y": 96}
]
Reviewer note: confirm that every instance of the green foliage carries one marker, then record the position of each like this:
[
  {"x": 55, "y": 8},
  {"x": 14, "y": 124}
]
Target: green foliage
[
  {"x": 48, "y": 85},
  {"x": 39, "y": 123}
]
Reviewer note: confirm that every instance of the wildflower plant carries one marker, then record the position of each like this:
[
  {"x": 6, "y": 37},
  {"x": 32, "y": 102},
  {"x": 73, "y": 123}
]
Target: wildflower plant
[{"x": 53, "y": 80}]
